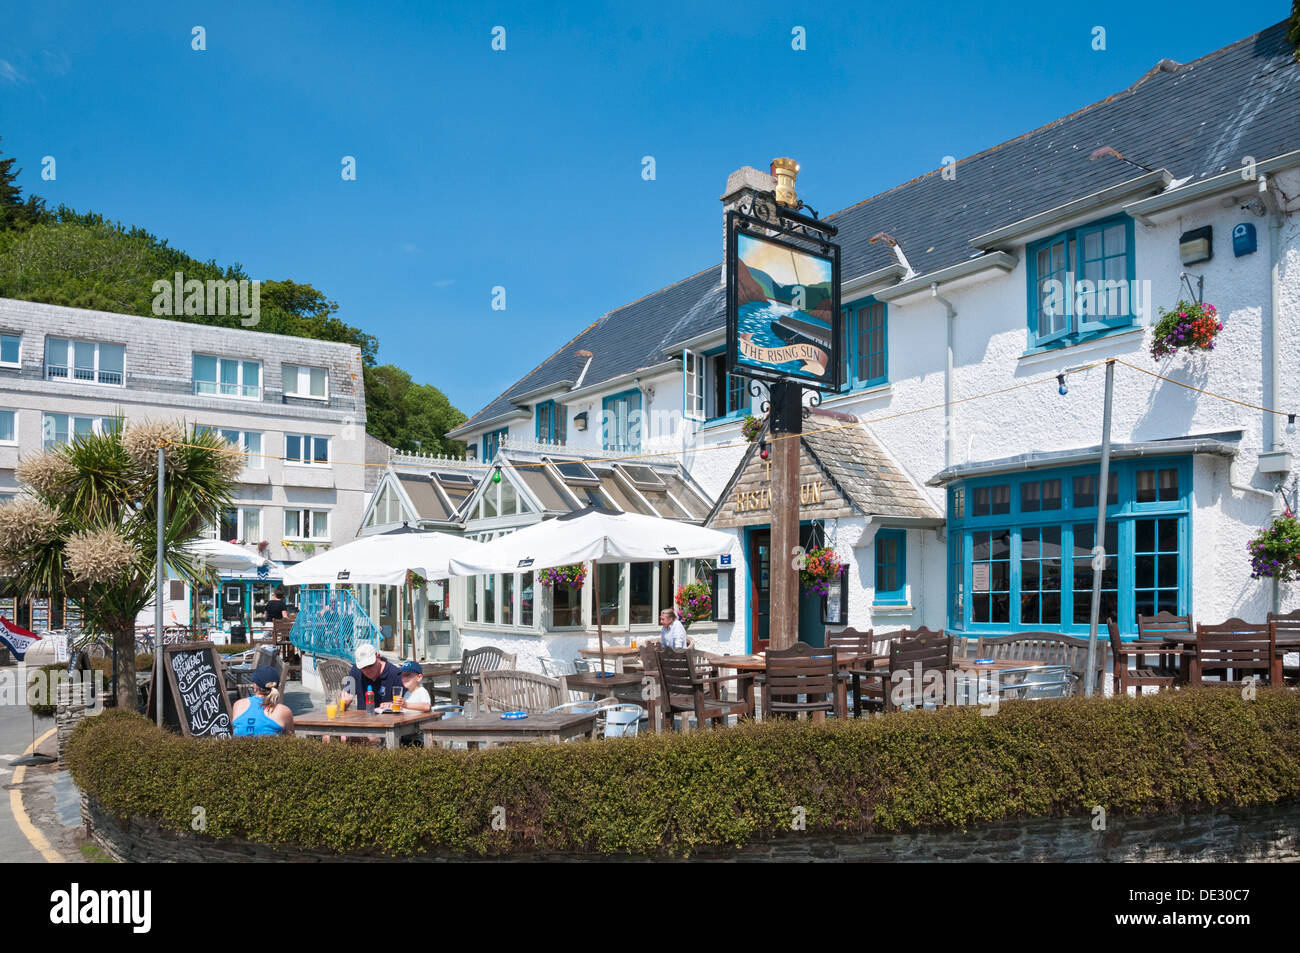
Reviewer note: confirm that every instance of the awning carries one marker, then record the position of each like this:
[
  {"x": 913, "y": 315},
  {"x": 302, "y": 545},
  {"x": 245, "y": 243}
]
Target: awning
[{"x": 1221, "y": 444}]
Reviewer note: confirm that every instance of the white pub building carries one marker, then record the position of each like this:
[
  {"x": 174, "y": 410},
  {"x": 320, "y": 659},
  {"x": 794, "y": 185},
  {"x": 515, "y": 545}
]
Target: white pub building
[{"x": 957, "y": 471}]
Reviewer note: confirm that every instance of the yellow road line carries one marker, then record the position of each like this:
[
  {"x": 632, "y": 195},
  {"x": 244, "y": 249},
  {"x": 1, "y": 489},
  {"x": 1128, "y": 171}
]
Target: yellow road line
[{"x": 20, "y": 813}]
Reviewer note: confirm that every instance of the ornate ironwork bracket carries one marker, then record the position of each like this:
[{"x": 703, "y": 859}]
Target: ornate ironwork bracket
[
  {"x": 758, "y": 390},
  {"x": 814, "y": 400}
]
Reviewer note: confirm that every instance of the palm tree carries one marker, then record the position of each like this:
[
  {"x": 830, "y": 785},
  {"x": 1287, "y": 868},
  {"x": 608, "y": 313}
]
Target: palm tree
[{"x": 86, "y": 524}]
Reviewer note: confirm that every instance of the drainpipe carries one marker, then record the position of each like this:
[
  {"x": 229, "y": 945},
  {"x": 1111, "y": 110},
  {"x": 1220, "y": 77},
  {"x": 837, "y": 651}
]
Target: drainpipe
[
  {"x": 947, "y": 376},
  {"x": 1273, "y": 438}
]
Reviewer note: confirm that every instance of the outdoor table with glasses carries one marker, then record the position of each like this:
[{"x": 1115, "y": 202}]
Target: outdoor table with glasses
[
  {"x": 359, "y": 723},
  {"x": 489, "y": 728}
]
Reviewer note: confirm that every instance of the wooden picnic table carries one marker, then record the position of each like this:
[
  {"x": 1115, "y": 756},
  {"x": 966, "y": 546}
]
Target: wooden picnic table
[
  {"x": 355, "y": 723},
  {"x": 488, "y": 729}
]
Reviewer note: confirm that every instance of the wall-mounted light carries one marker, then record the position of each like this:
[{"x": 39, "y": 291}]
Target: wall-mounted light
[
  {"x": 1196, "y": 245},
  {"x": 1290, "y": 423},
  {"x": 1061, "y": 388},
  {"x": 580, "y": 421}
]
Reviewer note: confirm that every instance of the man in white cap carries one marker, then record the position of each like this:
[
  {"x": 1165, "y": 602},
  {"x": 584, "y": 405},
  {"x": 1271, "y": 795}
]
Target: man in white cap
[{"x": 372, "y": 673}]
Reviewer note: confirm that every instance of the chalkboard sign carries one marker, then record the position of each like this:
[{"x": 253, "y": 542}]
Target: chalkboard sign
[{"x": 197, "y": 701}]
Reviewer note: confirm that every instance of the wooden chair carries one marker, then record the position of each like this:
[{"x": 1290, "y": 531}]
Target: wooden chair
[
  {"x": 332, "y": 672},
  {"x": 684, "y": 689},
  {"x": 802, "y": 672},
  {"x": 1139, "y": 676},
  {"x": 1286, "y": 635},
  {"x": 880, "y": 689},
  {"x": 1160, "y": 629},
  {"x": 859, "y": 643},
  {"x": 511, "y": 690},
  {"x": 475, "y": 662},
  {"x": 1233, "y": 648},
  {"x": 1051, "y": 648}
]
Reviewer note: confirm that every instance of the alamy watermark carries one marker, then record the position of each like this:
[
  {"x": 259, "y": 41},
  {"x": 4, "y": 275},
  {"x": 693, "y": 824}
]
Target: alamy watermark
[
  {"x": 210, "y": 298},
  {"x": 1102, "y": 298}
]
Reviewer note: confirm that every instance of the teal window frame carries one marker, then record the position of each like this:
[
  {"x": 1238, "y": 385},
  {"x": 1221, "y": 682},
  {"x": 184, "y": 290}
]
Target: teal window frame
[
  {"x": 1074, "y": 255},
  {"x": 856, "y": 339},
  {"x": 738, "y": 403},
  {"x": 631, "y": 401},
  {"x": 492, "y": 443},
  {"x": 1148, "y": 530},
  {"x": 886, "y": 562},
  {"x": 554, "y": 429}
]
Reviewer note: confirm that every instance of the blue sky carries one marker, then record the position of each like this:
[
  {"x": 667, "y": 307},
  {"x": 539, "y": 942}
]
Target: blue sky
[{"x": 523, "y": 168}]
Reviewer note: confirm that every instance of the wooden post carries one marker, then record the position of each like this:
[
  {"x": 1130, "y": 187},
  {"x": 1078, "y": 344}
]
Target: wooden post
[{"x": 787, "y": 425}]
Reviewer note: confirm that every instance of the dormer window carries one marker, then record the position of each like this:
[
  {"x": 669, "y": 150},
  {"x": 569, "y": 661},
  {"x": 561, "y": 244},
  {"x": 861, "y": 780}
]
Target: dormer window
[{"x": 1081, "y": 282}]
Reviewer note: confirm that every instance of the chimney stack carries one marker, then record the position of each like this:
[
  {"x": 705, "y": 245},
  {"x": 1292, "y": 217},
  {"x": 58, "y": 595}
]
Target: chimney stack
[{"x": 743, "y": 187}]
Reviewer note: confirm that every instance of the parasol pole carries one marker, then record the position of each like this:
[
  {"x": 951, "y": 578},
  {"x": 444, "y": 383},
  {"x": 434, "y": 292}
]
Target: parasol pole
[{"x": 600, "y": 628}]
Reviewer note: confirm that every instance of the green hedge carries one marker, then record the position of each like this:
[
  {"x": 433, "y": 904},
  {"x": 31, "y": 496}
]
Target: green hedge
[{"x": 680, "y": 794}]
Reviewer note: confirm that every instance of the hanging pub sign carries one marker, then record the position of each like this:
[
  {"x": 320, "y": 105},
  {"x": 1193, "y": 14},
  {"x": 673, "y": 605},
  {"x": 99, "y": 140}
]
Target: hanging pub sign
[{"x": 783, "y": 297}]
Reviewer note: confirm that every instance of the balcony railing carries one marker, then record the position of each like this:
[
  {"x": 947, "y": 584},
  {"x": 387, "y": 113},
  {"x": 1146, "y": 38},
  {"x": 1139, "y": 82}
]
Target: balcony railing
[
  {"x": 86, "y": 375},
  {"x": 223, "y": 389}
]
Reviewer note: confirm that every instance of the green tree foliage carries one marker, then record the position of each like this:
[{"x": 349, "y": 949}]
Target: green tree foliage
[
  {"x": 409, "y": 416},
  {"x": 1293, "y": 28},
  {"x": 82, "y": 260},
  {"x": 14, "y": 212}
]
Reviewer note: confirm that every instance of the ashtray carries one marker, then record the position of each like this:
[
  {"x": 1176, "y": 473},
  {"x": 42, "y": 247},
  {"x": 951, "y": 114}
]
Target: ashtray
[{"x": 513, "y": 715}]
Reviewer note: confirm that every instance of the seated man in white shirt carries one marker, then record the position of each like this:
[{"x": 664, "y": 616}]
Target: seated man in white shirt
[{"x": 671, "y": 632}]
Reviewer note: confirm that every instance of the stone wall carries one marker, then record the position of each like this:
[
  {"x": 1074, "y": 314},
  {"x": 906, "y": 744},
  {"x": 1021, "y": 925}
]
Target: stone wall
[{"x": 1231, "y": 834}]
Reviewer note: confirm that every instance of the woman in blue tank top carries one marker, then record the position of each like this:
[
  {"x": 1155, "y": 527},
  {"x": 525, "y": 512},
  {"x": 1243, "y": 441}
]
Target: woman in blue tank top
[{"x": 261, "y": 713}]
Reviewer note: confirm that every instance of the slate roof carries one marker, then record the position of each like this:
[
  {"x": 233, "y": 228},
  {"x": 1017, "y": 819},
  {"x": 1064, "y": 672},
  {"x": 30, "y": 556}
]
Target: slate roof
[
  {"x": 865, "y": 474},
  {"x": 872, "y": 482},
  {"x": 1197, "y": 119}
]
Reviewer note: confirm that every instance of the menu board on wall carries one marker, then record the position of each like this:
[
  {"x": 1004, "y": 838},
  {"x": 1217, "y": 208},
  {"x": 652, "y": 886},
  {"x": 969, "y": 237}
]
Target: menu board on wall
[
  {"x": 9, "y": 608},
  {"x": 40, "y": 614},
  {"x": 72, "y": 615}
]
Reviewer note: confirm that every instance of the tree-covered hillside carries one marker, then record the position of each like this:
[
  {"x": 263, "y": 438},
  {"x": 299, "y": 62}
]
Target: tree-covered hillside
[{"x": 81, "y": 260}]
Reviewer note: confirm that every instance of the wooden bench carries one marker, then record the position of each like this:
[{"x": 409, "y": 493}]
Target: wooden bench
[{"x": 1051, "y": 648}]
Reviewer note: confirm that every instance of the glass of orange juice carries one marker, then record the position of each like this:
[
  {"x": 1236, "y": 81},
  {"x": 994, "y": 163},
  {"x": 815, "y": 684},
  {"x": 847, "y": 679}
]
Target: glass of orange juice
[
  {"x": 397, "y": 701},
  {"x": 332, "y": 710},
  {"x": 343, "y": 701}
]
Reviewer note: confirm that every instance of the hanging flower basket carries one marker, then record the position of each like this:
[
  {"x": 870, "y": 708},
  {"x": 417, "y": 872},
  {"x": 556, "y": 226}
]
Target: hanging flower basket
[
  {"x": 819, "y": 567},
  {"x": 564, "y": 577},
  {"x": 694, "y": 602},
  {"x": 1188, "y": 327},
  {"x": 751, "y": 427},
  {"x": 1275, "y": 552}
]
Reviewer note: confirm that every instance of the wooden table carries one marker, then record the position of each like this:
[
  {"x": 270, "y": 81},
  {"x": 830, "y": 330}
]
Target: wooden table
[
  {"x": 603, "y": 685},
  {"x": 758, "y": 663},
  {"x": 363, "y": 724},
  {"x": 435, "y": 671},
  {"x": 1290, "y": 642},
  {"x": 619, "y": 653},
  {"x": 490, "y": 729}
]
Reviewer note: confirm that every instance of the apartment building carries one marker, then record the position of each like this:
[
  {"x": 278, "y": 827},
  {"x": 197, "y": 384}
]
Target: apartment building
[{"x": 296, "y": 406}]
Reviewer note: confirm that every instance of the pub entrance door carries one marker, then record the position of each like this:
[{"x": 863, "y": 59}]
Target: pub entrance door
[{"x": 760, "y": 558}]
